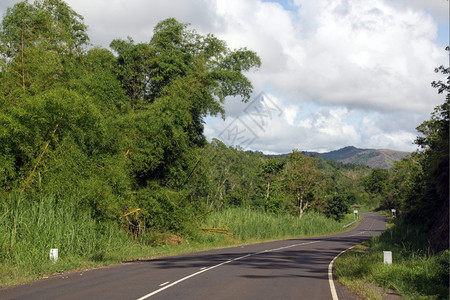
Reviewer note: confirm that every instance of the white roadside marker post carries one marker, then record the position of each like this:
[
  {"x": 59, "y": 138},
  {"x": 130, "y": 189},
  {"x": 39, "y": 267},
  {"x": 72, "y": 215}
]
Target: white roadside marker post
[
  {"x": 54, "y": 255},
  {"x": 387, "y": 257}
]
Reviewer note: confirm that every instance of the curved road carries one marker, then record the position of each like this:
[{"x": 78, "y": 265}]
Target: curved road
[{"x": 289, "y": 269}]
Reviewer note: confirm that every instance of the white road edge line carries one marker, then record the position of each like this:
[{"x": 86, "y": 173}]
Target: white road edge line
[
  {"x": 330, "y": 266},
  {"x": 330, "y": 275},
  {"x": 221, "y": 264}
]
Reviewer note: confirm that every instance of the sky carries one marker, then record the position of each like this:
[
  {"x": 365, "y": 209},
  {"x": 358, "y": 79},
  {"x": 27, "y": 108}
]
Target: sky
[{"x": 334, "y": 73}]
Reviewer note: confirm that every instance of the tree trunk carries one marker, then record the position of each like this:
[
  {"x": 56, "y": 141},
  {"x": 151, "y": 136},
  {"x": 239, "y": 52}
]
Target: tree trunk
[
  {"x": 267, "y": 192},
  {"x": 301, "y": 207},
  {"x": 300, "y": 203}
]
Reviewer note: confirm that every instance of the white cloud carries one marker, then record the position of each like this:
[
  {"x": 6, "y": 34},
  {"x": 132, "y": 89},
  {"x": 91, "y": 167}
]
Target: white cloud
[
  {"x": 109, "y": 20},
  {"x": 374, "y": 58},
  {"x": 291, "y": 114},
  {"x": 339, "y": 127},
  {"x": 396, "y": 140},
  {"x": 438, "y": 8}
]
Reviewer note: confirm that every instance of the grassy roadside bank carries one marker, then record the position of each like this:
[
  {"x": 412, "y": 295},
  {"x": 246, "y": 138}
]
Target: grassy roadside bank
[
  {"x": 29, "y": 229},
  {"x": 416, "y": 272}
]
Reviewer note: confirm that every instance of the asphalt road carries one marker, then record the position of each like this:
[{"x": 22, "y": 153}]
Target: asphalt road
[{"x": 289, "y": 269}]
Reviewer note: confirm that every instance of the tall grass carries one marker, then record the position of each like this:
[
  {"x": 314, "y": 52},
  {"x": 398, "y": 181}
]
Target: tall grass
[
  {"x": 247, "y": 224},
  {"x": 29, "y": 228},
  {"x": 416, "y": 272}
]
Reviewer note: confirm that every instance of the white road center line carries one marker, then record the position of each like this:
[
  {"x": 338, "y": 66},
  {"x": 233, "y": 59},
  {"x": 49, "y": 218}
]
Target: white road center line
[
  {"x": 218, "y": 265},
  {"x": 166, "y": 285}
]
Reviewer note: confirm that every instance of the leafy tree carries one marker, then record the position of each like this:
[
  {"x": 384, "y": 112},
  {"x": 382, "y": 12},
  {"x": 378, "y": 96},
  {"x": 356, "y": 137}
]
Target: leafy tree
[
  {"x": 98, "y": 81},
  {"x": 303, "y": 178},
  {"x": 443, "y": 86},
  {"x": 420, "y": 183},
  {"x": 337, "y": 207},
  {"x": 402, "y": 179},
  {"x": 270, "y": 171},
  {"x": 228, "y": 176},
  {"x": 434, "y": 142},
  {"x": 434, "y": 138},
  {"x": 133, "y": 64},
  {"x": 377, "y": 181},
  {"x": 39, "y": 44},
  {"x": 175, "y": 53},
  {"x": 173, "y": 82},
  {"x": 182, "y": 52},
  {"x": 432, "y": 208}
]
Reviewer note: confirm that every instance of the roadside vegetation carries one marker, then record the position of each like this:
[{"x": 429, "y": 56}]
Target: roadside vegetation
[
  {"x": 28, "y": 229},
  {"x": 417, "y": 188},
  {"x": 416, "y": 272}
]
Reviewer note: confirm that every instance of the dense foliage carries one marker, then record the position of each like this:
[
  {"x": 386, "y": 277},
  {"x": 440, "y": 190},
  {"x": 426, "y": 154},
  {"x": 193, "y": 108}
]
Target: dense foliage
[
  {"x": 119, "y": 135},
  {"x": 417, "y": 186},
  {"x": 117, "y": 131}
]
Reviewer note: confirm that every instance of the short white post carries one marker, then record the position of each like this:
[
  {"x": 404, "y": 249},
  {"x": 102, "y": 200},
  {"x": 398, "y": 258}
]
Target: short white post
[
  {"x": 54, "y": 255},
  {"x": 394, "y": 212},
  {"x": 356, "y": 214},
  {"x": 387, "y": 257}
]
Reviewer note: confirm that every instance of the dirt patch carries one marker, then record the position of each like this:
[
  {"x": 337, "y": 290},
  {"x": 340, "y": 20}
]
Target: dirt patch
[
  {"x": 379, "y": 292},
  {"x": 386, "y": 294},
  {"x": 173, "y": 239}
]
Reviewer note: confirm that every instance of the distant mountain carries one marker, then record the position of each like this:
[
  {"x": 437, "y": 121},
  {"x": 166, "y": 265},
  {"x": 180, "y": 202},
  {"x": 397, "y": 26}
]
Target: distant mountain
[
  {"x": 342, "y": 154},
  {"x": 382, "y": 158}
]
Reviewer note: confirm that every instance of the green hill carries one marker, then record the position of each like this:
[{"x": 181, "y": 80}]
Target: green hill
[{"x": 374, "y": 158}]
